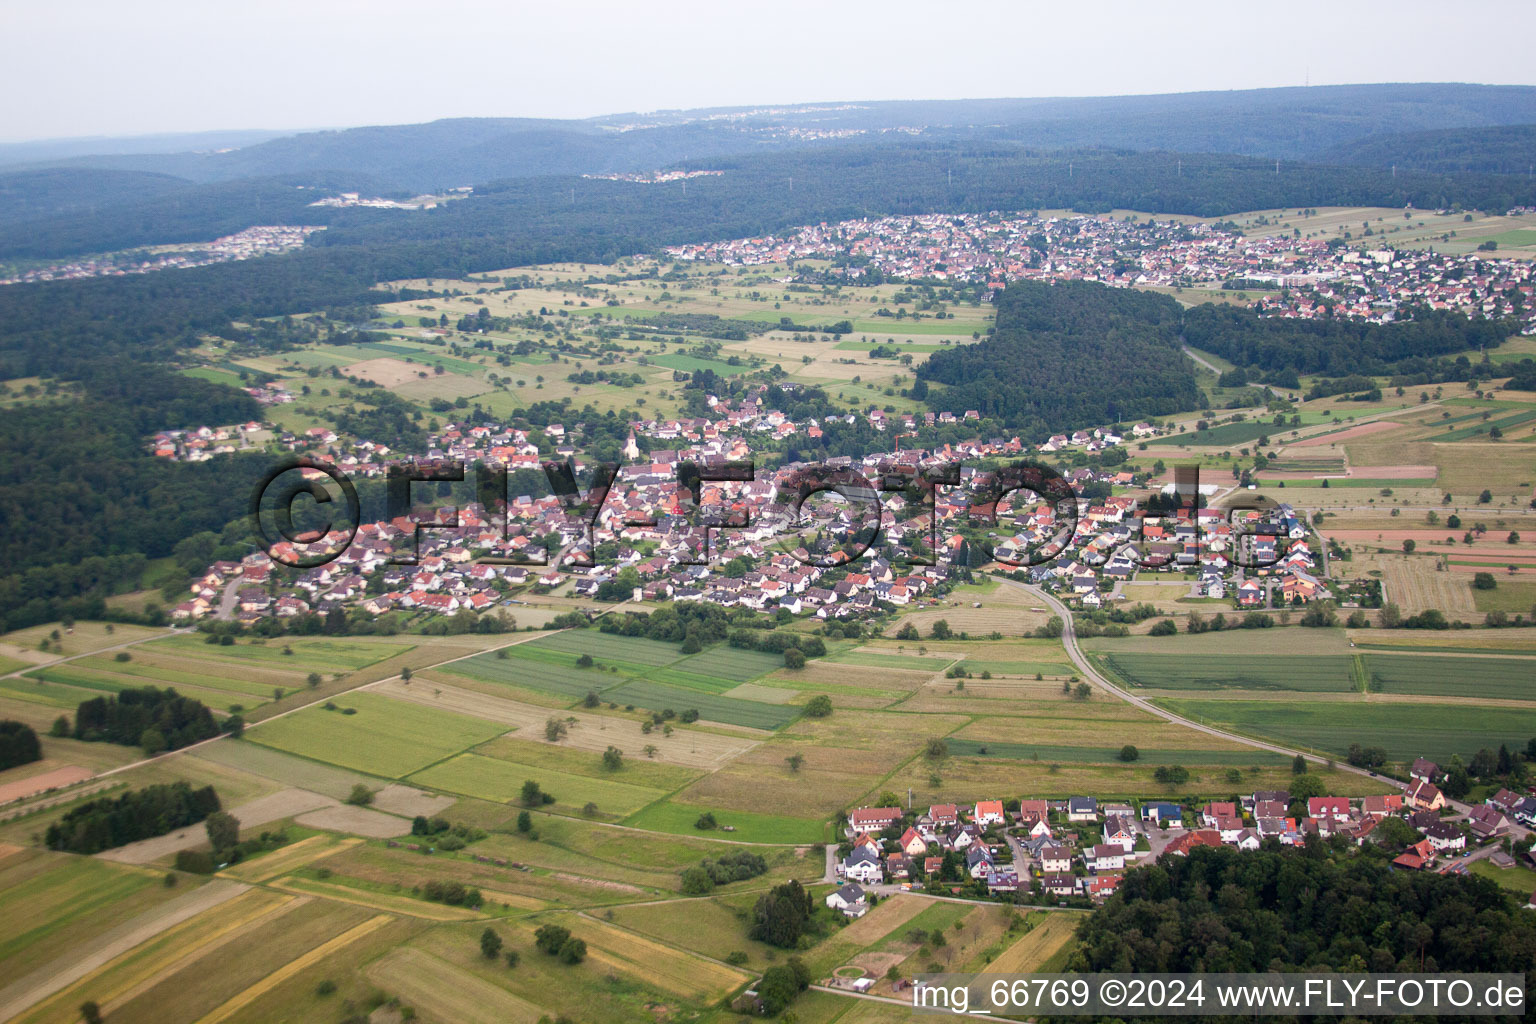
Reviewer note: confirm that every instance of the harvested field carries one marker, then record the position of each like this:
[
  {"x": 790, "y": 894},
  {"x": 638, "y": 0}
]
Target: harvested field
[
  {"x": 381, "y": 901},
  {"x": 408, "y": 801},
  {"x": 274, "y": 807},
  {"x": 882, "y": 920},
  {"x": 1394, "y": 472},
  {"x": 421, "y": 979},
  {"x": 1362, "y": 430},
  {"x": 691, "y": 747},
  {"x": 356, "y": 820},
  {"x": 249, "y": 995},
  {"x": 59, "y": 777},
  {"x": 289, "y": 858},
  {"x": 1028, "y": 953},
  {"x": 655, "y": 963},
  {"x": 1413, "y": 584}
]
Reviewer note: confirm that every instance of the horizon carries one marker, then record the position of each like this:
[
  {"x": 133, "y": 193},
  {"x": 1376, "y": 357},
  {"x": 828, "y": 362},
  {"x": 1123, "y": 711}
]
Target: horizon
[
  {"x": 283, "y": 132},
  {"x": 207, "y": 59}
]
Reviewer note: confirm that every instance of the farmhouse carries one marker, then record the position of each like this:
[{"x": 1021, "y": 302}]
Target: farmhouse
[
  {"x": 850, "y": 899},
  {"x": 873, "y": 819}
]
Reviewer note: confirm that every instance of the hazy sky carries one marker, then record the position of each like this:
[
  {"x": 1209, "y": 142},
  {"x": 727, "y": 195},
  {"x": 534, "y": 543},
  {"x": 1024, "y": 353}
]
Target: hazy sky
[{"x": 105, "y": 67}]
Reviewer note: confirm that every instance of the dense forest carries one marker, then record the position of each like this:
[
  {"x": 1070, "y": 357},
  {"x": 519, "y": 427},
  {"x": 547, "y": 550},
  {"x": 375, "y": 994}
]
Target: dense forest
[
  {"x": 1067, "y": 356},
  {"x": 108, "y": 822},
  {"x": 1497, "y": 149},
  {"x": 1337, "y": 346},
  {"x": 1222, "y": 910},
  {"x": 18, "y": 744},
  {"x": 147, "y": 717}
]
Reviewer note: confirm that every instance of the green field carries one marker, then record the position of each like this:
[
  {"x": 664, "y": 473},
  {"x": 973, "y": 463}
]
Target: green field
[
  {"x": 1306, "y": 672},
  {"x": 1014, "y": 751},
  {"x": 386, "y": 737},
  {"x": 679, "y": 819},
  {"x": 653, "y": 696},
  {"x": 490, "y": 778},
  {"x": 309, "y": 653},
  {"x": 546, "y": 671},
  {"x": 1498, "y": 678},
  {"x": 1405, "y": 731},
  {"x": 610, "y": 648},
  {"x": 731, "y": 663}
]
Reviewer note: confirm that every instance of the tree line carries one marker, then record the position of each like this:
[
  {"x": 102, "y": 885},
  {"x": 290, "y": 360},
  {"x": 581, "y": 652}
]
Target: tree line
[{"x": 108, "y": 822}]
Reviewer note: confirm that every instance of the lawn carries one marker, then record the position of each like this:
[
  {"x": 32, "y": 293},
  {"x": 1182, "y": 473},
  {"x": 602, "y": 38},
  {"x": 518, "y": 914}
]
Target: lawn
[
  {"x": 386, "y": 737},
  {"x": 1313, "y": 673},
  {"x": 655, "y": 696},
  {"x": 679, "y": 819},
  {"x": 490, "y": 778},
  {"x": 1405, "y": 731}
]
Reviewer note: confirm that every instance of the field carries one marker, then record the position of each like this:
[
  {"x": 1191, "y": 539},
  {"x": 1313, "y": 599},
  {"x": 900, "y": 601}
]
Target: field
[
  {"x": 385, "y": 737},
  {"x": 1405, "y": 731},
  {"x": 490, "y": 778},
  {"x": 1208, "y": 672}
]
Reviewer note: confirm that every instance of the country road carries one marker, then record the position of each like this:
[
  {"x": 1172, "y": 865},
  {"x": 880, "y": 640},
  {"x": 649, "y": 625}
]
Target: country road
[{"x": 1089, "y": 672}]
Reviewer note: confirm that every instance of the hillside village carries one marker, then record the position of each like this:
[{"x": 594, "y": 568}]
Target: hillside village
[{"x": 1080, "y": 847}]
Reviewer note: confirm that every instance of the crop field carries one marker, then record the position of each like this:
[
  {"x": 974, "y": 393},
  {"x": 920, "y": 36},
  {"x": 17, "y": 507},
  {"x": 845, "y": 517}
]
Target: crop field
[
  {"x": 1320, "y": 673},
  {"x": 1021, "y": 751},
  {"x": 731, "y": 663},
  {"x": 385, "y": 737},
  {"x": 287, "y": 769},
  {"x": 326, "y": 654},
  {"x": 1498, "y": 678},
  {"x": 679, "y": 818},
  {"x": 490, "y": 778},
  {"x": 1405, "y": 731},
  {"x": 448, "y": 992},
  {"x": 660, "y": 697},
  {"x": 535, "y": 670},
  {"x": 609, "y": 648}
]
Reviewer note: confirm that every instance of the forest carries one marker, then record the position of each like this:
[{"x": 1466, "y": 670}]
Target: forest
[
  {"x": 1338, "y": 346},
  {"x": 1067, "y": 356},
  {"x": 108, "y": 822},
  {"x": 148, "y": 717},
  {"x": 1219, "y": 909}
]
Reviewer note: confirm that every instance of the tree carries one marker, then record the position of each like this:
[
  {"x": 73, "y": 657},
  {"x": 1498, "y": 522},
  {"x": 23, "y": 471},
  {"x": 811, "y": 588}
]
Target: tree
[
  {"x": 819, "y": 706},
  {"x": 573, "y": 951},
  {"x": 780, "y": 916},
  {"x": 1163, "y": 627},
  {"x": 532, "y": 795},
  {"x": 513, "y": 957},
  {"x": 235, "y": 726},
  {"x": 555, "y": 729},
  {"x": 907, "y": 632},
  {"x": 794, "y": 658},
  {"x": 1485, "y": 497},
  {"x": 361, "y": 795},
  {"x": 490, "y": 944},
  {"x": 585, "y": 661},
  {"x": 1129, "y": 753},
  {"x": 152, "y": 740},
  {"x": 313, "y": 679},
  {"x": 936, "y": 748},
  {"x": 223, "y": 830},
  {"x": 1514, "y": 537},
  {"x": 795, "y": 761},
  {"x": 591, "y": 700},
  {"x": 706, "y": 822},
  {"x": 550, "y": 937},
  {"x": 60, "y": 726},
  {"x": 1298, "y": 765},
  {"x": 941, "y": 630},
  {"x": 1082, "y": 691},
  {"x": 696, "y": 881},
  {"x": 524, "y": 822},
  {"x": 90, "y": 1013},
  {"x": 1409, "y": 545},
  {"x": 1394, "y": 832},
  {"x": 777, "y": 989},
  {"x": 613, "y": 758},
  {"x": 1484, "y": 581},
  {"x": 405, "y": 674}
]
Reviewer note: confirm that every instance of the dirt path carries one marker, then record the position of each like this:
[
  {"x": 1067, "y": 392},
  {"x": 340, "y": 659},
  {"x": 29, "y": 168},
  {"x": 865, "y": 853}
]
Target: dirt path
[
  {"x": 27, "y": 992},
  {"x": 272, "y": 807}
]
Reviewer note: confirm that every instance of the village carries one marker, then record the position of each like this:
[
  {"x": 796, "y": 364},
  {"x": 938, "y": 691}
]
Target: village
[
  {"x": 1079, "y": 848},
  {"x": 1308, "y": 276},
  {"x": 653, "y": 544}
]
